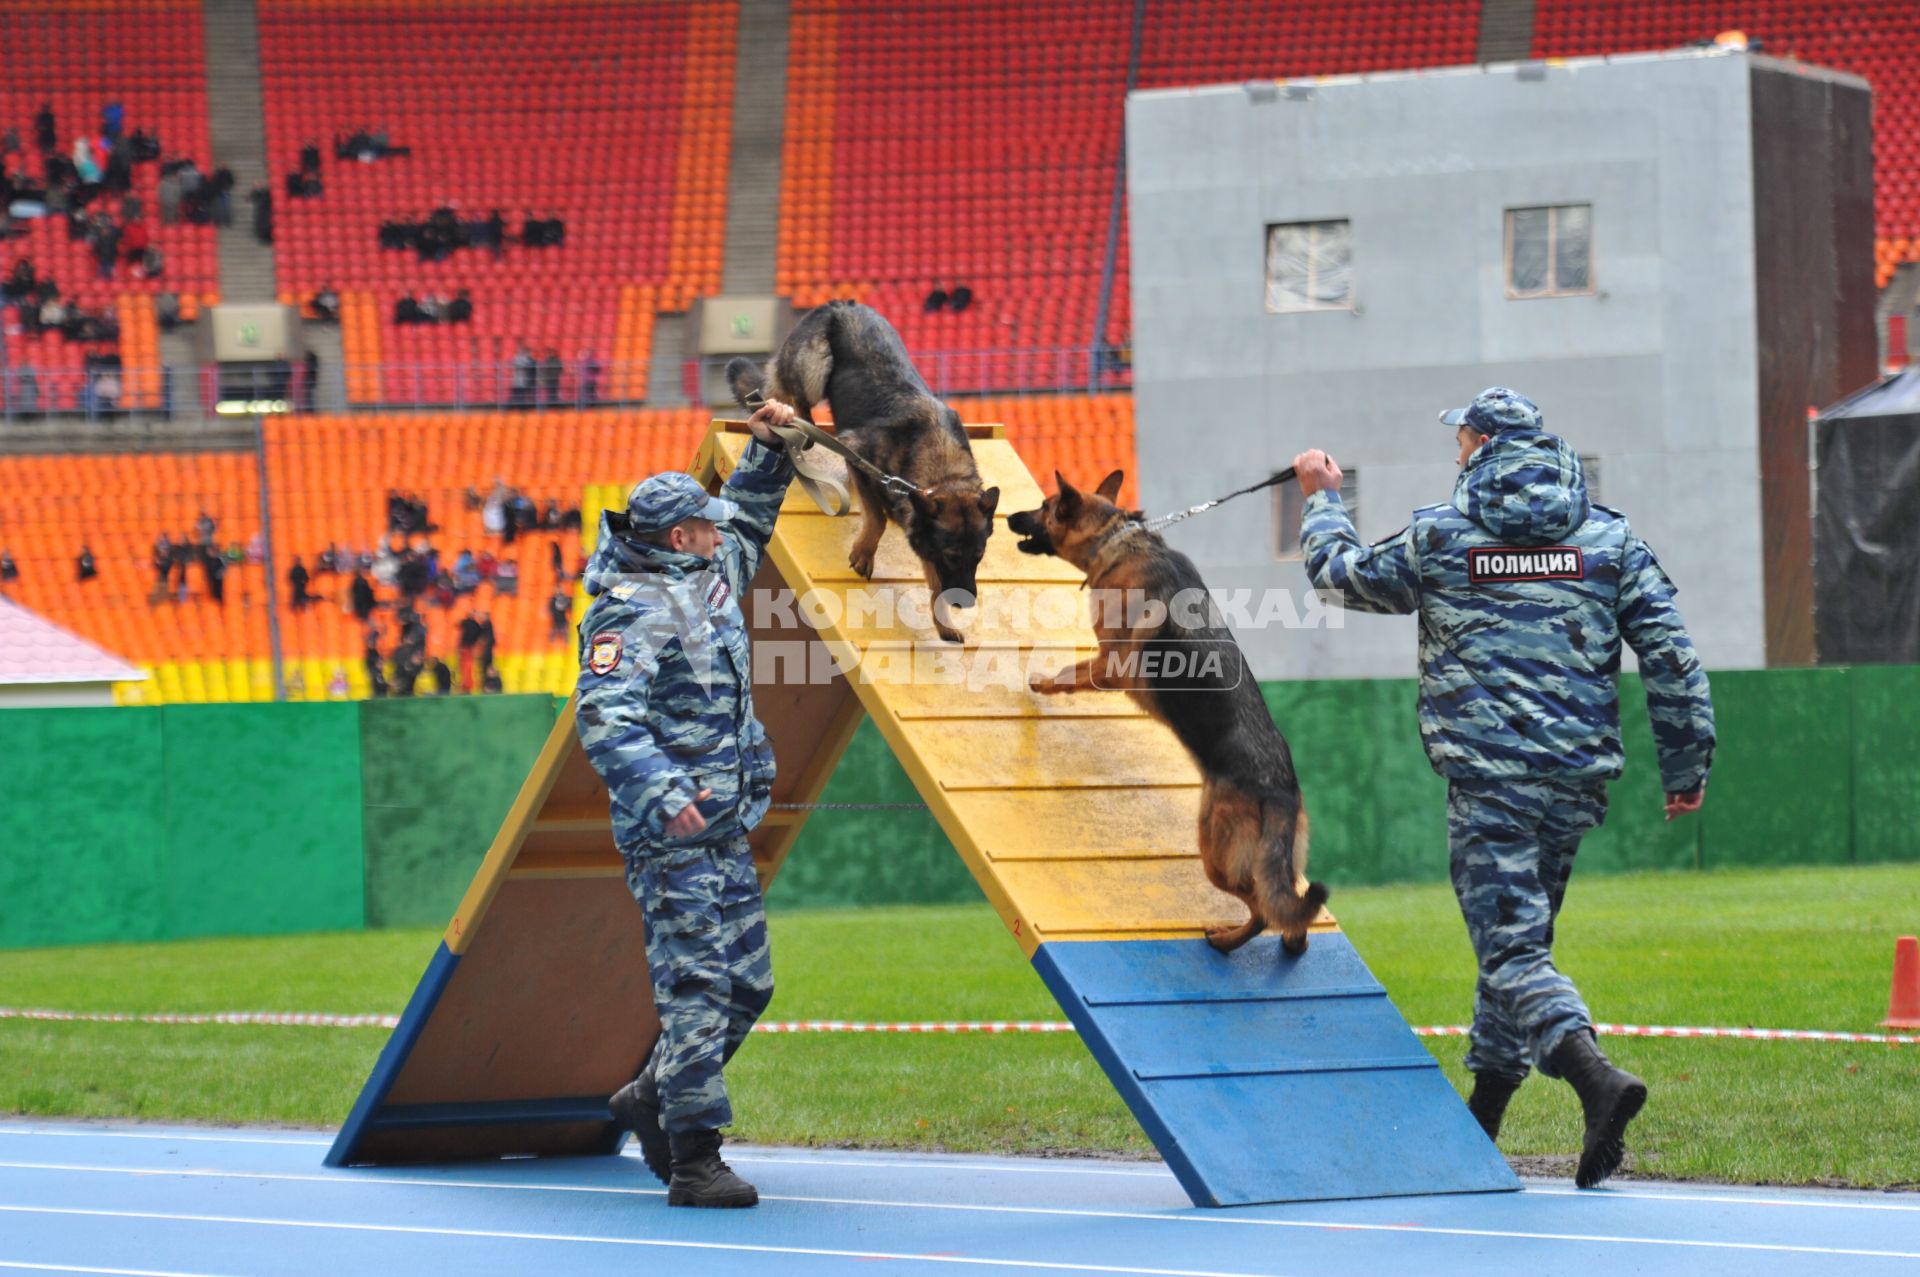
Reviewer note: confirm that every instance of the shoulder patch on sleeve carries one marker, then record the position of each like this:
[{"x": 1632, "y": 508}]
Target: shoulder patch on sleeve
[
  {"x": 1490, "y": 564},
  {"x": 605, "y": 651}
]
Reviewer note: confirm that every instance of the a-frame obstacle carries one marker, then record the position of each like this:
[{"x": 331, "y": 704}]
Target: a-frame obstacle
[{"x": 1258, "y": 1077}]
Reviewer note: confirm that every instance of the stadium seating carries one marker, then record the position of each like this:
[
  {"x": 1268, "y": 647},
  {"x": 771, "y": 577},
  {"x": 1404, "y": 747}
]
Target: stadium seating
[
  {"x": 931, "y": 144},
  {"x": 1878, "y": 40},
  {"x": 614, "y": 118},
  {"x": 148, "y": 56},
  {"x": 328, "y": 478}
]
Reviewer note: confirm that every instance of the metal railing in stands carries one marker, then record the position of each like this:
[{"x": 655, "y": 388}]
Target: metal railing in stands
[
  {"x": 1061, "y": 369},
  {"x": 92, "y": 393}
]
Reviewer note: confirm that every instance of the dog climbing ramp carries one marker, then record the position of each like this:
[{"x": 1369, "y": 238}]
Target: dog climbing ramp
[{"x": 1259, "y": 1077}]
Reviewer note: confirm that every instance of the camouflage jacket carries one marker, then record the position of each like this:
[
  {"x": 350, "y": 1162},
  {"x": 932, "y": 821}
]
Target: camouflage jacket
[
  {"x": 1525, "y": 591},
  {"x": 665, "y": 703}
]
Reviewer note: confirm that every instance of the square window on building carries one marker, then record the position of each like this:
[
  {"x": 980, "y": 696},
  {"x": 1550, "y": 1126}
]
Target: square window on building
[
  {"x": 1309, "y": 266},
  {"x": 1289, "y": 504},
  {"x": 1550, "y": 251}
]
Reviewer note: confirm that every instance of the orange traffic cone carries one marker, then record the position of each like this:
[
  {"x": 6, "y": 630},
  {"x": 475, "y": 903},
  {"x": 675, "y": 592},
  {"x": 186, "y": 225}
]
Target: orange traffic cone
[{"x": 1903, "y": 1007}]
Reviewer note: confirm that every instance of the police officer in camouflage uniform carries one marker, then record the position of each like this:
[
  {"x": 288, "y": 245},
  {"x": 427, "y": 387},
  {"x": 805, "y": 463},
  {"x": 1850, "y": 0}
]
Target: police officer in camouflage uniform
[
  {"x": 1524, "y": 591},
  {"x": 665, "y": 713}
]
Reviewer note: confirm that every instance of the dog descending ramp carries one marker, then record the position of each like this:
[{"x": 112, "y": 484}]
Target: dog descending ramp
[{"x": 1259, "y": 1077}]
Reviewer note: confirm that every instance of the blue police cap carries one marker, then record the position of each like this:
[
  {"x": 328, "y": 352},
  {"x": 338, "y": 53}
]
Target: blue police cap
[
  {"x": 658, "y": 503},
  {"x": 1494, "y": 410}
]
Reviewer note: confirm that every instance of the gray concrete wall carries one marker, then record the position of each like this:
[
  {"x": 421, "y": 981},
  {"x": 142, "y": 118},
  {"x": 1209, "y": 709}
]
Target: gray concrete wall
[{"x": 1654, "y": 372}]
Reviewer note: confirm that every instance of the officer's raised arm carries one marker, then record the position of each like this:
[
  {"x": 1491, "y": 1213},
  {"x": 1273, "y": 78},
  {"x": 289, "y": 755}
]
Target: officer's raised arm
[
  {"x": 757, "y": 486},
  {"x": 1678, "y": 700},
  {"x": 1369, "y": 578}
]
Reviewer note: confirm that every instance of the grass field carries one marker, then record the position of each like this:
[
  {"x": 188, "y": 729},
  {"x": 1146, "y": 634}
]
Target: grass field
[{"x": 1781, "y": 949}]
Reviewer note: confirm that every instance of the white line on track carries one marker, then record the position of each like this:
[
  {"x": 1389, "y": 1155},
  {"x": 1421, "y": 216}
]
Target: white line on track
[
  {"x": 83, "y": 1268},
  {"x": 84, "y": 1134},
  {"x": 492, "y": 1234},
  {"x": 1175, "y": 1216},
  {"x": 1731, "y": 1199}
]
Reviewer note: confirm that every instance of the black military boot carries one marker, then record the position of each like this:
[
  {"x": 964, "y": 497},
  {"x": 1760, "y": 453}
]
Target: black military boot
[
  {"x": 1488, "y": 1103},
  {"x": 1612, "y": 1097},
  {"x": 636, "y": 1106},
  {"x": 700, "y": 1178}
]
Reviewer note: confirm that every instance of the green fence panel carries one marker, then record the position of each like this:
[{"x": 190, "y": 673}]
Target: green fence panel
[
  {"x": 1636, "y": 833},
  {"x": 81, "y": 809},
  {"x": 1885, "y": 700},
  {"x": 1376, "y": 810},
  {"x": 262, "y": 819},
  {"x": 871, "y": 857},
  {"x": 1781, "y": 784},
  {"x": 439, "y": 775}
]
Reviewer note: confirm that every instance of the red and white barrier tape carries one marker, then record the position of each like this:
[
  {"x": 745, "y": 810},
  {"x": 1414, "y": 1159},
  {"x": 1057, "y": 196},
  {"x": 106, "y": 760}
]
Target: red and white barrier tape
[{"x": 327, "y": 1021}]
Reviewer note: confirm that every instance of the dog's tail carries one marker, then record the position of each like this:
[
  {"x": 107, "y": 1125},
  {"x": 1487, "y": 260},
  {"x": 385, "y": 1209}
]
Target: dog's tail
[
  {"x": 745, "y": 379},
  {"x": 1282, "y": 867}
]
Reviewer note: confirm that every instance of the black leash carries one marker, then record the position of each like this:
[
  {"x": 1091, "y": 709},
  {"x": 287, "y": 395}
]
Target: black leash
[{"x": 1165, "y": 520}]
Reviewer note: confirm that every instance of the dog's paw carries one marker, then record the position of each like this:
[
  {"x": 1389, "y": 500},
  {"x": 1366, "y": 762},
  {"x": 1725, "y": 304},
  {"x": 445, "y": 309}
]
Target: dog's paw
[
  {"x": 1044, "y": 685},
  {"x": 861, "y": 561},
  {"x": 1294, "y": 946},
  {"x": 1225, "y": 939}
]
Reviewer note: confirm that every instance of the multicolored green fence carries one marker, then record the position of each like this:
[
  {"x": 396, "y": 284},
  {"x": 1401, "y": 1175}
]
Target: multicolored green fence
[{"x": 153, "y": 823}]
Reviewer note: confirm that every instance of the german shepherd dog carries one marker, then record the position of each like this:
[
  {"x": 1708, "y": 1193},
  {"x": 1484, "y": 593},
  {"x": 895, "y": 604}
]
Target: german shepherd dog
[
  {"x": 849, "y": 355},
  {"x": 1153, "y": 616}
]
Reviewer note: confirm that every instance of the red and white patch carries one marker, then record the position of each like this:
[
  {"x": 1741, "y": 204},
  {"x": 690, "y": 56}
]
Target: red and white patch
[
  {"x": 717, "y": 597},
  {"x": 603, "y": 654}
]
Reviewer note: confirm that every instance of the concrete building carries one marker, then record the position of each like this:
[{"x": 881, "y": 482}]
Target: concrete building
[{"x": 1670, "y": 253}]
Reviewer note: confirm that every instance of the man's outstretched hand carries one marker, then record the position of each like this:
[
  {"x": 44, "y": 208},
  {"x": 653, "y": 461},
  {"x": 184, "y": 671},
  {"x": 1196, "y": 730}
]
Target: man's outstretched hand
[
  {"x": 689, "y": 821},
  {"x": 766, "y": 417},
  {"x": 1685, "y": 804}
]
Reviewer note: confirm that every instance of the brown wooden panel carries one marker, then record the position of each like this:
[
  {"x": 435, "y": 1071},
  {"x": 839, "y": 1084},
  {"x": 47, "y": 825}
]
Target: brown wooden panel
[
  {"x": 550, "y": 1001},
  {"x": 1049, "y": 753},
  {"x": 1066, "y": 823}
]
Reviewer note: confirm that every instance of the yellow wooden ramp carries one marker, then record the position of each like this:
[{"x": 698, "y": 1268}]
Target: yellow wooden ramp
[{"x": 1076, "y": 814}]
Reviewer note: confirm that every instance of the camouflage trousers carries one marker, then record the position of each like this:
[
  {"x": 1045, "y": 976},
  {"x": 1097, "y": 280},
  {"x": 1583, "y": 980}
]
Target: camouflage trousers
[
  {"x": 1512, "y": 845},
  {"x": 712, "y": 975}
]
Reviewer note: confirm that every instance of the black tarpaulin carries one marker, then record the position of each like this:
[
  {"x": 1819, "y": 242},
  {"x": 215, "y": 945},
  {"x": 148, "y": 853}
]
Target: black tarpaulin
[{"x": 1867, "y": 526}]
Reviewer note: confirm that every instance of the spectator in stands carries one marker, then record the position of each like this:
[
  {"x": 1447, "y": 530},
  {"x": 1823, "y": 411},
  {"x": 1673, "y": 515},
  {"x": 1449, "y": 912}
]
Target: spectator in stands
[
  {"x": 45, "y": 136},
  {"x": 326, "y": 304},
  {"x": 113, "y": 121},
  {"x": 469, "y": 638},
  {"x": 134, "y": 242},
  {"x": 310, "y": 157},
  {"x": 493, "y": 235},
  {"x": 146, "y": 147},
  {"x": 9, "y": 570},
  {"x": 84, "y": 567},
  {"x": 460, "y": 309},
  {"x": 407, "y": 310},
  {"x": 442, "y": 678},
  {"x": 466, "y": 573},
  {"x": 167, "y": 191},
  {"x": 493, "y": 510},
  {"x": 203, "y": 529},
  {"x": 179, "y": 555},
  {"x": 520, "y": 386},
  {"x": 216, "y": 569},
  {"x": 375, "y": 665},
  {"x": 550, "y": 370},
  {"x": 558, "y": 608},
  {"x": 484, "y": 641},
  {"x": 26, "y": 393},
  {"x": 20, "y": 282},
  {"x": 962, "y": 298},
  {"x": 162, "y": 564},
  {"x": 360, "y": 595},
  {"x": 297, "y": 578},
  {"x": 262, "y": 198},
  {"x": 936, "y": 300},
  {"x": 587, "y": 378},
  {"x": 83, "y": 162},
  {"x": 328, "y": 561},
  {"x": 105, "y": 242},
  {"x": 221, "y": 200},
  {"x": 117, "y": 175},
  {"x": 507, "y": 579}
]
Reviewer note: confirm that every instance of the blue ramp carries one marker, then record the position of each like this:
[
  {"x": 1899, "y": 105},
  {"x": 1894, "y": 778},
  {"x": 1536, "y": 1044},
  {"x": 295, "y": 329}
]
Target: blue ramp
[{"x": 1265, "y": 1078}]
